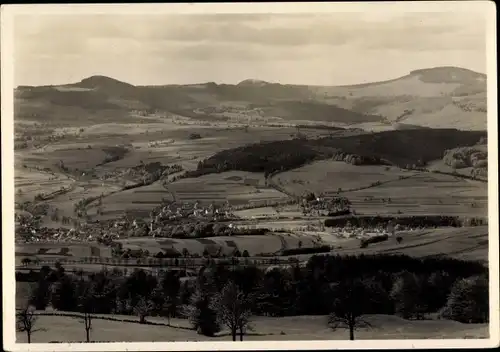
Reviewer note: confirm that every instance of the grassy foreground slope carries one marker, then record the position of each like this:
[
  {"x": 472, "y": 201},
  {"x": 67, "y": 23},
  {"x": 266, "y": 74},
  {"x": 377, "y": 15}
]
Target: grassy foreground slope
[{"x": 266, "y": 329}]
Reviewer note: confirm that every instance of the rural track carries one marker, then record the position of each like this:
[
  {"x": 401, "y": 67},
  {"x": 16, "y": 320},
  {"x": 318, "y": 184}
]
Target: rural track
[
  {"x": 380, "y": 184},
  {"x": 164, "y": 185}
]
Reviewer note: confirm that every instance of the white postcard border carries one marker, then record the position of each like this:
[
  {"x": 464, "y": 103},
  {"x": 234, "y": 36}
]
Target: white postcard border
[{"x": 8, "y": 249}]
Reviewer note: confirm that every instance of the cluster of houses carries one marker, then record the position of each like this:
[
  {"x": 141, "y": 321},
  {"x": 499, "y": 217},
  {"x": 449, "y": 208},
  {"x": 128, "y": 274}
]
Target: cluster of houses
[
  {"x": 321, "y": 206},
  {"x": 186, "y": 210},
  {"x": 45, "y": 234},
  {"x": 364, "y": 232}
]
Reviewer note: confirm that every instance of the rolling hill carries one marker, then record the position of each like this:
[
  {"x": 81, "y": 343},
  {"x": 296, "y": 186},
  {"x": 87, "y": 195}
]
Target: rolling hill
[
  {"x": 442, "y": 97},
  {"x": 402, "y": 148}
]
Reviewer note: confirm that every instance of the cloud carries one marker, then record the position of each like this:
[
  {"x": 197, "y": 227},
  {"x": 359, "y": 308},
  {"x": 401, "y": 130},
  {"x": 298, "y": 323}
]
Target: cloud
[
  {"x": 267, "y": 42},
  {"x": 272, "y": 30}
]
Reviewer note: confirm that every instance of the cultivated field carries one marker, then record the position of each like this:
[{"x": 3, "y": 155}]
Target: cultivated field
[
  {"x": 271, "y": 243},
  {"x": 30, "y": 182},
  {"x": 73, "y": 155},
  {"x": 235, "y": 187},
  {"x": 329, "y": 176},
  {"x": 425, "y": 193},
  {"x": 265, "y": 329},
  {"x": 61, "y": 249},
  {"x": 264, "y": 213},
  {"x": 466, "y": 243},
  {"x": 138, "y": 201},
  {"x": 85, "y": 149}
]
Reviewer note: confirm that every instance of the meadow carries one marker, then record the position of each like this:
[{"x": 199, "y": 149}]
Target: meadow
[
  {"x": 265, "y": 329},
  {"x": 327, "y": 177}
]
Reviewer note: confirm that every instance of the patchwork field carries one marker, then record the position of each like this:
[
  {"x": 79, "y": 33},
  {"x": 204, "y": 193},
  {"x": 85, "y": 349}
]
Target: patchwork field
[
  {"x": 467, "y": 243},
  {"x": 328, "y": 176},
  {"x": 425, "y": 193},
  {"x": 255, "y": 245},
  {"x": 236, "y": 187},
  {"x": 61, "y": 249},
  {"x": 160, "y": 140},
  {"x": 138, "y": 200},
  {"x": 291, "y": 211},
  {"x": 30, "y": 182},
  {"x": 73, "y": 155},
  {"x": 265, "y": 329}
]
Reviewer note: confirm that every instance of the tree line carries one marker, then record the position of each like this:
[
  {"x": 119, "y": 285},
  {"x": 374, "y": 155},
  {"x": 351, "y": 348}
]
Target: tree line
[
  {"x": 423, "y": 221},
  {"x": 399, "y": 147},
  {"x": 346, "y": 288}
]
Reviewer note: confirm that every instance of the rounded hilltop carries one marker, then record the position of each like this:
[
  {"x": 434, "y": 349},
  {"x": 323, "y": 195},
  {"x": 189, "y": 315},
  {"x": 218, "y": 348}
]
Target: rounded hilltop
[
  {"x": 253, "y": 82},
  {"x": 99, "y": 81},
  {"x": 448, "y": 74}
]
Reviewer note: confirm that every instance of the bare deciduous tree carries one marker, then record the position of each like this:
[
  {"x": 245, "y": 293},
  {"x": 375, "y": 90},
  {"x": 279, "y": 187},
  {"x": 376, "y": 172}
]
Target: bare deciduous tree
[
  {"x": 233, "y": 309},
  {"x": 86, "y": 305},
  {"x": 349, "y": 306},
  {"x": 26, "y": 320}
]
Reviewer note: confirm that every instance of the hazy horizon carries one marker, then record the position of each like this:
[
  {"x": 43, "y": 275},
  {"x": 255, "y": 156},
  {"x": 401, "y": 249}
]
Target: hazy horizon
[
  {"x": 308, "y": 49},
  {"x": 232, "y": 83}
]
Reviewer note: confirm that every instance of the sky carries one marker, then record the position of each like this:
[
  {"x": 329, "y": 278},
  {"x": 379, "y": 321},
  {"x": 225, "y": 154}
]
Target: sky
[{"x": 316, "y": 49}]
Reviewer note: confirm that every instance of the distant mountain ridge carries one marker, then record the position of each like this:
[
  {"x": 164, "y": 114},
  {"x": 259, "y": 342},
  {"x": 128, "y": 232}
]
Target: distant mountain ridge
[
  {"x": 439, "y": 97},
  {"x": 446, "y": 73}
]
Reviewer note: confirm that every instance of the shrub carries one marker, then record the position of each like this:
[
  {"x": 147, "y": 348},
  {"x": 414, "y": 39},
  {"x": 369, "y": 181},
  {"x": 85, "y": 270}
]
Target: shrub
[
  {"x": 202, "y": 317},
  {"x": 375, "y": 239},
  {"x": 437, "y": 289},
  {"x": 194, "y": 136},
  {"x": 407, "y": 294},
  {"x": 468, "y": 301}
]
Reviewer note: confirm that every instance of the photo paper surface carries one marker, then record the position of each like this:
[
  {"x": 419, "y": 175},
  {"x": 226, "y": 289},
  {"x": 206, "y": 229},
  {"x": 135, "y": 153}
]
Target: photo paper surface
[{"x": 249, "y": 176}]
